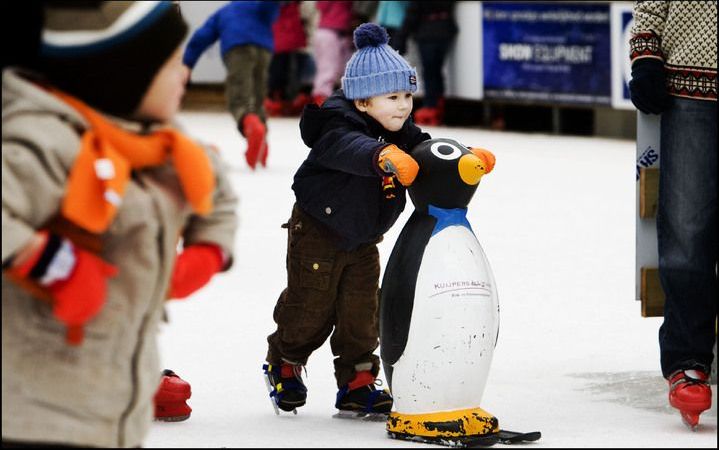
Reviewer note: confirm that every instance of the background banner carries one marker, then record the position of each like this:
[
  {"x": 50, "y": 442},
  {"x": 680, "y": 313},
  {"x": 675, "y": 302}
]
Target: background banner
[{"x": 547, "y": 52}]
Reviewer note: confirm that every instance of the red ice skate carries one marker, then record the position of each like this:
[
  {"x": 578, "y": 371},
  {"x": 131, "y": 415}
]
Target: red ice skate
[
  {"x": 170, "y": 405},
  {"x": 275, "y": 106},
  {"x": 255, "y": 131},
  {"x": 689, "y": 392},
  {"x": 318, "y": 99},
  {"x": 299, "y": 102},
  {"x": 427, "y": 116}
]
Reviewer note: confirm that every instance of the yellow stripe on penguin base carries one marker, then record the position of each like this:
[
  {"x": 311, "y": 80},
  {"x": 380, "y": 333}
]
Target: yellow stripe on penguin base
[{"x": 460, "y": 423}]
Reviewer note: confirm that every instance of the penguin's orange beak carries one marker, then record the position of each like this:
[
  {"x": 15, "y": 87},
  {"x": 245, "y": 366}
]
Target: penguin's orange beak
[
  {"x": 485, "y": 155},
  {"x": 471, "y": 169}
]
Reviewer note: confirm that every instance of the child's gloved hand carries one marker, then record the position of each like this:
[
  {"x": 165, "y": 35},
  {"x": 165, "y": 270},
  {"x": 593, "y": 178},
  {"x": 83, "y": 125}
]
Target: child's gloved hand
[
  {"x": 485, "y": 156},
  {"x": 392, "y": 159},
  {"x": 194, "y": 268},
  {"x": 75, "y": 278}
]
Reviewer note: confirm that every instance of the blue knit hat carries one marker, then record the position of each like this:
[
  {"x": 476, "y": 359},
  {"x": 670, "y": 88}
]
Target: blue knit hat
[{"x": 376, "y": 68}]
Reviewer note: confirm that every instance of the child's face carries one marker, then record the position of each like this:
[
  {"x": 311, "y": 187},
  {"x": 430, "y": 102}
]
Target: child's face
[
  {"x": 390, "y": 110},
  {"x": 162, "y": 99}
]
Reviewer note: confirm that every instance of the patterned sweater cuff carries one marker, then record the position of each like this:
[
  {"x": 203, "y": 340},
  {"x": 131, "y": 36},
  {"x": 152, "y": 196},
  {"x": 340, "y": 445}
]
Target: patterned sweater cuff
[{"x": 645, "y": 45}]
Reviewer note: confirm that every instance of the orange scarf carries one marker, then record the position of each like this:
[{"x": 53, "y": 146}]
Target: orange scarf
[{"x": 107, "y": 156}]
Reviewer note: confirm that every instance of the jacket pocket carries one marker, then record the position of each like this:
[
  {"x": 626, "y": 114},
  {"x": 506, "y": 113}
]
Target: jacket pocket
[{"x": 316, "y": 273}]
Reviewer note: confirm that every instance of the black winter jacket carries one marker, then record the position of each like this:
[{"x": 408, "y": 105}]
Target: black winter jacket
[
  {"x": 339, "y": 183},
  {"x": 429, "y": 20}
]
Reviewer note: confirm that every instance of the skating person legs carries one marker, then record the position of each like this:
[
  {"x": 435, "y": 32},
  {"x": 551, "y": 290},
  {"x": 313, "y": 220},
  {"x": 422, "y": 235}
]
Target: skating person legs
[
  {"x": 433, "y": 54},
  {"x": 328, "y": 289},
  {"x": 356, "y": 335},
  {"x": 687, "y": 238},
  {"x": 260, "y": 75},
  {"x": 278, "y": 79},
  {"x": 243, "y": 63},
  {"x": 331, "y": 52},
  {"x": 305, "y": 310}
]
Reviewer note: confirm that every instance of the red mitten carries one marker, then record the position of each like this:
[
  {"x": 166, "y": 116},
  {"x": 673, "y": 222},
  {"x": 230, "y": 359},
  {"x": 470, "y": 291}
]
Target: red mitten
[
  {"x": 194, "y": 268},
  {"x": 75, "y": 278}
]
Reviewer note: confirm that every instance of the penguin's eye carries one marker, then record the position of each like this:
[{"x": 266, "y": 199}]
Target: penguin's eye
[{"x": 445, "y": 150}]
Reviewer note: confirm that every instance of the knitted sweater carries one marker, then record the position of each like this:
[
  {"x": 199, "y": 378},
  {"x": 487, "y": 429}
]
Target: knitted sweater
[{"x": 682, "y": 34}]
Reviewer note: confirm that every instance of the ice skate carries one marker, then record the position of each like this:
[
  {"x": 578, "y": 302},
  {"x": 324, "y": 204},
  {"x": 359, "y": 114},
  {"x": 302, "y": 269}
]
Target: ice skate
[
  {"x": 427, "y": 116},
  {"x": 359, "y": 399},
  {"x": 690, "y": 393},
  {"x": 318, "y": 99},
  {"x": 299, "y": 102},
  {"x": 275, "y": 106},
  {"x": 254, "y": 131},
  {"x": 284, "y": 383},
  {"x": 170, "y": 398}
]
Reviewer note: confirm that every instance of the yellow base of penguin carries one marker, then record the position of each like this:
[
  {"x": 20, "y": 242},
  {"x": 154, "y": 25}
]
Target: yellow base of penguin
[{"x": 445, "y": 427}]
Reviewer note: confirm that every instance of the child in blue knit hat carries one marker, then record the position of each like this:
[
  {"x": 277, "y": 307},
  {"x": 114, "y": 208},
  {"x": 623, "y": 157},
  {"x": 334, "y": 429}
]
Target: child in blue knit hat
[{"x": 349, "y": 191}]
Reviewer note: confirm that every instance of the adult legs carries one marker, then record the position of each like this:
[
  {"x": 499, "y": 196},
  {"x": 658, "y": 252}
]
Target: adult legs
[{"x": 687, "y": 234}]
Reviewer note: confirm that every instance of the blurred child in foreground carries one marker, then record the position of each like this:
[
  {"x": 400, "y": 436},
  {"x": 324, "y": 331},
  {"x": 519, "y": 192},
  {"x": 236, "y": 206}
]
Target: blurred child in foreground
[{"x": 96, "y": 191}]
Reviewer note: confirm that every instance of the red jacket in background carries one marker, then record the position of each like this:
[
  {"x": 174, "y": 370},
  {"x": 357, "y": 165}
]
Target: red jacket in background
[
  {"x": 336, "y": 15},
  {"x": 288, "y": 30}
]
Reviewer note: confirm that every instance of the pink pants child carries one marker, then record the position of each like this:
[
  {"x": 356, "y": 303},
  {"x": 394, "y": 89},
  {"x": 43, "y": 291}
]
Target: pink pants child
[{"x": 332, "y": 50}]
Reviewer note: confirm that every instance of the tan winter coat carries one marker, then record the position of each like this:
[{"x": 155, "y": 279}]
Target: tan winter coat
[{"x": 99, "y": 393}]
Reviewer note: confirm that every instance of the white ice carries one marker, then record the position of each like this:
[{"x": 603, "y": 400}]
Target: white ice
[{"x": 575, "y": 359}]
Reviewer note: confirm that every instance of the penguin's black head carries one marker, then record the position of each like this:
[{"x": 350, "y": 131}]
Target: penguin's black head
[{"x": 449, "y": 173}]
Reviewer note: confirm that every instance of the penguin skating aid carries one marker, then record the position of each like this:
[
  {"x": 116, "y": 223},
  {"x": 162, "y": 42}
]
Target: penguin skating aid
[{"x": 439, "y": 311}]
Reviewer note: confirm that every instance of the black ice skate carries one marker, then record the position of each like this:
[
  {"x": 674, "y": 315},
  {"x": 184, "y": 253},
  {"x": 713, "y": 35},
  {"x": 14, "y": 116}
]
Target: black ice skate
[
  {"x": 284, "y": 383},
  {"x": 361, "y": 400}
]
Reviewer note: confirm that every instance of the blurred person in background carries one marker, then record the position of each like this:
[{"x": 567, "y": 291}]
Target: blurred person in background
[
  {"x": 289, "y": 59},
  {"x": 91, "y": 177},
  {"x": 433, "y": 27},
  {"x": 364, "y": 11},
  {"x": 244, "y": 29},
  {"x": 310, "y": 18},
  {"x": 674, "y": 73},
  {"x": 332, "y": 46},
  {"x": 390, "y": 15}
]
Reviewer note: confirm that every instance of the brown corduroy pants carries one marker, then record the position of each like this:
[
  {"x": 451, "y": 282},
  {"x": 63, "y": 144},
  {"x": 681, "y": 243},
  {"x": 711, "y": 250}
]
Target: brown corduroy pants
[{"x": 329, "y": 291}]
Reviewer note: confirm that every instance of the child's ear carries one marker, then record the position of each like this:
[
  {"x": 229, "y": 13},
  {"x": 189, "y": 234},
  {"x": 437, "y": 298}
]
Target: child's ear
[{"x": 361, "y": 104}]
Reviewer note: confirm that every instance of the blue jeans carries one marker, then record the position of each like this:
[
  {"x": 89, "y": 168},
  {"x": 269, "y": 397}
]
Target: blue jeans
[{"x": 687, "y": 234}]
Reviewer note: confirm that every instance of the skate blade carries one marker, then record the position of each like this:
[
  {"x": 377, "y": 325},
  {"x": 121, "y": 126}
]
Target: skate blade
[
  {"x": 363, "y": 416},
  {"x": 691, "y": 420},
  {"x": 272, "y": 400},
  {"x": 269, "y": 390},
  {"x": 172, "y": 418}
]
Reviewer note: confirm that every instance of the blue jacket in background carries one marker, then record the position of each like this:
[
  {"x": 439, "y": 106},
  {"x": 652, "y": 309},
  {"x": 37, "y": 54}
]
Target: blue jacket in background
[
  {"x": 237, "y": 23},
  {"x": 339, "y": 183},
  {"x": 391, "y": 13}
]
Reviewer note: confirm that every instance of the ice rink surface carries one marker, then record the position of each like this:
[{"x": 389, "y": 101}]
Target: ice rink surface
[{"x": 575, "y": 359}]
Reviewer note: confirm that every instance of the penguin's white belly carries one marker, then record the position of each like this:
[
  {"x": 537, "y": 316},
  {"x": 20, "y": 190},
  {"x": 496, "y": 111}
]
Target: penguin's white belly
[{"x": 453, "y": 328}]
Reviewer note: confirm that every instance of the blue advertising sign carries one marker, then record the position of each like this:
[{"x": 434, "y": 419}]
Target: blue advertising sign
[{"x": 553, "y": 52}]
